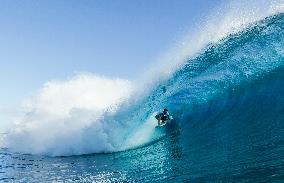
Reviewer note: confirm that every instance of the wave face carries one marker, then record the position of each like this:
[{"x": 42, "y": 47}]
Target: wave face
[
  {"x": 237, "y": 81},
  {"x": 240, "y": 78},
  {"x": 228, "y": 105}
]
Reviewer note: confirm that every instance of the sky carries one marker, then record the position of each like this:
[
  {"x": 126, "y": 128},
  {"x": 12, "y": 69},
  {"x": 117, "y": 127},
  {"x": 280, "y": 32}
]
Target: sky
[{"x": 56, "y": 39}]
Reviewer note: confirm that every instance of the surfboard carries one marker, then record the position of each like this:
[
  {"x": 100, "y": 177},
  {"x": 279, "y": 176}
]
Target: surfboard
[{"x": 163, "y": 124}]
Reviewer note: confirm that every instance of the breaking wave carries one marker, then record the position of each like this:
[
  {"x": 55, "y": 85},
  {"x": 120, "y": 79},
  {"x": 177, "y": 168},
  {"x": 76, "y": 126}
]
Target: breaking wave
[{"x": 218, "y": 73}]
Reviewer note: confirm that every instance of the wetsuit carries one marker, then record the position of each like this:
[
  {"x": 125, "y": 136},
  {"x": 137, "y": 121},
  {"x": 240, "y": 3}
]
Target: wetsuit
[{"x": 165, "y": 116}]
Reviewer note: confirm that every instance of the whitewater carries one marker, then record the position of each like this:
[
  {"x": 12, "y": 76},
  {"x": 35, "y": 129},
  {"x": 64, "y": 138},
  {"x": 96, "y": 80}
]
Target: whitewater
[{"x": 223, "y": 84}]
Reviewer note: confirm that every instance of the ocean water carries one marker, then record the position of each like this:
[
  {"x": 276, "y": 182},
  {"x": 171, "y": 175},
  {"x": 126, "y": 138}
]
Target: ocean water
[{"x": 228, "y": 108}]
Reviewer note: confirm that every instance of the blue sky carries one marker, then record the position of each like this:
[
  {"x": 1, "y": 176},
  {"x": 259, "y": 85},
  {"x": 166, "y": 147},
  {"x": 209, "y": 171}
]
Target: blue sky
[{"x": 55, "y": 39}]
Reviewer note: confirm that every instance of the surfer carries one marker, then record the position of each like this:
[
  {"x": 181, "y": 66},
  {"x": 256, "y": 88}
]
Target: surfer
[{"x": 163, "y": 117}]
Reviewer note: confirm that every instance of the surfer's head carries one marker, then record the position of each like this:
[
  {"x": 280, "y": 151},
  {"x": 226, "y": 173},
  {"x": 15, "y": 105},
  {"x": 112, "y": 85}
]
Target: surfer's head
[{"x": 166, "y": 110}]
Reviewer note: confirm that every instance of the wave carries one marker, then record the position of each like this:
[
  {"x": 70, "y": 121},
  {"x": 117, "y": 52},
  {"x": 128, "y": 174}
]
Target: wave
[{"x": 219, "y": 79}]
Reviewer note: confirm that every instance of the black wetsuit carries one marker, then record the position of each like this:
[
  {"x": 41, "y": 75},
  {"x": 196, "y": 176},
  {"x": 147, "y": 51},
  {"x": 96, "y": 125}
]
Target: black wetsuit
[{"x": 165, "y": 116}]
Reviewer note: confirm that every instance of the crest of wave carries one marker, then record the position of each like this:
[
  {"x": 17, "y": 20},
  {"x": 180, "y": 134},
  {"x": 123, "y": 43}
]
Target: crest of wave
[
  {"x": 229, "y": 18},
  {"x": 65, "y": 117}
]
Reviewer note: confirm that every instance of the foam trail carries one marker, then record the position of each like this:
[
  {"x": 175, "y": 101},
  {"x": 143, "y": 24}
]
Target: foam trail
[{"x": 143, "y": 134}]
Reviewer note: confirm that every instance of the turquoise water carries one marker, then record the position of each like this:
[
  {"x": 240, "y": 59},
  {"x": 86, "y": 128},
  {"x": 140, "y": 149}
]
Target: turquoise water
[{"x": 228, "y": 104}]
